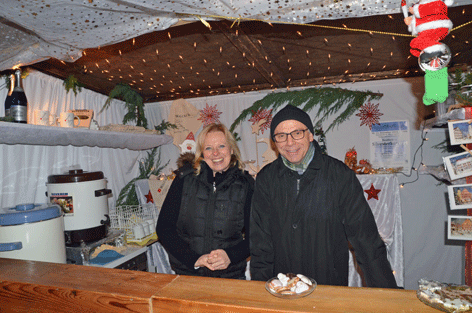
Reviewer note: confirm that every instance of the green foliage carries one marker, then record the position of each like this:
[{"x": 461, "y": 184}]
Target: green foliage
[
  {"x": 321, "y": 139},
  {"x": 163, "y": 126},
  {"x": 7, "y": 77},
  {"x": 328, "y": 100},
  {"x": 71, "y": 83},
  {"x": 236, "y": 136},
  {"x": 147, "y": 167},
  {"x": 462, "y": 80},
  {"x": 6, "y": 119},
  {"x": 446, "y": 147},
  {"x": 133, "y": 103}
]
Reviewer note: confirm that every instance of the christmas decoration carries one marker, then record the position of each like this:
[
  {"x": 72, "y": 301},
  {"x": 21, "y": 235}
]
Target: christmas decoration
[
  {"x": 372, "y": 192},
  {"x": 185, "y": 116},
  {"x": 364, "y": 166},
  {"x": 329, "y": 101},
  {"x": 133, "y": 103},
  {"x": 189, "y": 144},
  {"x": 147, "y": 167},
  {"x": 159, "y": 186},
  {"x": 257, "y": 126},
  {"x": 350, "y": 159},
  {"x": 260, "y": 115},
  {"x": 321, "y": 139},
  {"x": 209, "y": 115},
  {"x": 269, "y": 155},
  {"x": 149, "y": 197},
  {"x": 436, "y": 86},
  {"x": 431, "y": 24},
  {"x": 369, "y": 114},
  {"x": 462, "y": 84}
]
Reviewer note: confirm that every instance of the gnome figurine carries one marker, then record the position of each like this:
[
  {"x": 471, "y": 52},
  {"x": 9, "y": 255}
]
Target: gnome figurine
[{"x": 189, "y": 144}]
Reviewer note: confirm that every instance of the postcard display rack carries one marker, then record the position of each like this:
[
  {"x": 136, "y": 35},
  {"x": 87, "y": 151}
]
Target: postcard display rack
[{"x": 459, "y": 166}]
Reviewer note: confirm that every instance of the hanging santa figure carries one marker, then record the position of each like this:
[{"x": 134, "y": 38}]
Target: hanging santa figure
[{"x": 430, "y": 24}]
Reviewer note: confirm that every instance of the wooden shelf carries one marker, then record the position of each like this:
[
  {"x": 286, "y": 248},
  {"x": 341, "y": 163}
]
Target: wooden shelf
[{"x": 28, "y": 134}]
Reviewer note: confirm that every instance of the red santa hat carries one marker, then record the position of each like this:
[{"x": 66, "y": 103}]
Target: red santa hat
[{"x": 190, "y": 137}]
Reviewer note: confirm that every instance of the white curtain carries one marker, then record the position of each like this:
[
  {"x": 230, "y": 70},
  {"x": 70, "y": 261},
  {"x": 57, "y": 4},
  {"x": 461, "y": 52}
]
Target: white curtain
[
  {"x": 24, "y": 169},
  {"x": 388, "y": 215}
]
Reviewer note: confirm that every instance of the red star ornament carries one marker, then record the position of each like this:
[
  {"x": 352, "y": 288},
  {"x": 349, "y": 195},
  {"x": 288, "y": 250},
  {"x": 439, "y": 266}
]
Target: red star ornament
[
  {"x": 372, "y": 192},
  {"x": 149, "y": 197}
]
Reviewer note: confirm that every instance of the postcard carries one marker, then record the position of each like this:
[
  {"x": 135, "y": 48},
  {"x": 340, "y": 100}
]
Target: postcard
[
  {"x": 460, "y": 196},
  {"x": 460, "y": 132},
  {"x": 459, "y": 165},
  {"x": 459, "y": 227}
]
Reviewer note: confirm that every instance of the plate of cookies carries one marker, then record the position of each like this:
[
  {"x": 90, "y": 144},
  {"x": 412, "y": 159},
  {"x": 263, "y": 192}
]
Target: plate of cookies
[{"x": 290, "y": 286}]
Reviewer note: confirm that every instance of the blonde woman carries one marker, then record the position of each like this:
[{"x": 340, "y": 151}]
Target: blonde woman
[{"x": 204, "y": 220}]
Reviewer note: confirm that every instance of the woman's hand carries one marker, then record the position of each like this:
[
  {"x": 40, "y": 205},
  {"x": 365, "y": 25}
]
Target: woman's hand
[
  {"x": 218, "y": 259},
  {"x": 203, "y": 261},
  {"x": 215, "y": 260}
]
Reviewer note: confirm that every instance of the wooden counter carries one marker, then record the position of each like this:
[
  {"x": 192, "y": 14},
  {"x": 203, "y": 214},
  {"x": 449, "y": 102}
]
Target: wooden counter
[{"x": 28, "y": 286}]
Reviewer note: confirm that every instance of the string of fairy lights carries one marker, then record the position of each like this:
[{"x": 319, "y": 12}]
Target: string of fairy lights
[
  {"x": 420, "y": 150},
  {"x": 175, "y": 82}
]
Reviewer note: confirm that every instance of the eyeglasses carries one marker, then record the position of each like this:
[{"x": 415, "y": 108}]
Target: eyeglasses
[{"x": 296, "y": 135}]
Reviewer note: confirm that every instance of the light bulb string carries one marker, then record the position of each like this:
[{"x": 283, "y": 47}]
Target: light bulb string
[
  {"x": 239, "y": 19},
  {"x": 420, "y": 148}
]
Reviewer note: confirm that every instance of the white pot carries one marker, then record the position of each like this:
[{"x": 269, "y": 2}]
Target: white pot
[
  {"x": 83, "y": 197},
  {"x": 33, "y": 232}
]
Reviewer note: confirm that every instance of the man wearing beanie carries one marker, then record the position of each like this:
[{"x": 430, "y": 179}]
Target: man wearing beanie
[{"x": 306, "y": 210}]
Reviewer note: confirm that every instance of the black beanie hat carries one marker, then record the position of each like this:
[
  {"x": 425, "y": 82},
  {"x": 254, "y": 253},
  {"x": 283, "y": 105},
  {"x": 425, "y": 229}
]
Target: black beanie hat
[{"x": 291, "y": 113}]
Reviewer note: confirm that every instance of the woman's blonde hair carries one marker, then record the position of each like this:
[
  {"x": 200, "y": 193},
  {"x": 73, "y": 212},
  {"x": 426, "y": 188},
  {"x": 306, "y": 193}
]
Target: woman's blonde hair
[{"x": 235, "y": 157}]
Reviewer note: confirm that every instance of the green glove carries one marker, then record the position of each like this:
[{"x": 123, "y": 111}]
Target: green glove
[{"x": 435, "y": 86}]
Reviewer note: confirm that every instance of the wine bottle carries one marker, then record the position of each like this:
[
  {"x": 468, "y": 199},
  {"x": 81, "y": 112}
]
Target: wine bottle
[
  {"x": 9, "y": 98},
  {"x": 19, "y": 103}
]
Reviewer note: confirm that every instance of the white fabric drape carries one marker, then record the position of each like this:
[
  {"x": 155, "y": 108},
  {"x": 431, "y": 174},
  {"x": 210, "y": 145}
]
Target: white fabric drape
[
  {"x": 387, "y": 213},
  {"x": 62, "y": 29}
]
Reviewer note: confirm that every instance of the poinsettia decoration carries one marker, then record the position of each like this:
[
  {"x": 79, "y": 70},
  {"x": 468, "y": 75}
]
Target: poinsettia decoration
[
  {"x": 209, "y": 115},
  {"x": 369, "y": 114},
  {"x": 262, "y": 114}
]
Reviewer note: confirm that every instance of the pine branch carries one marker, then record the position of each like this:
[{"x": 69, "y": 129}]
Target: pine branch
[
  {"x": 163, "y": 126},
  {"x": 147, "y": 167},
  {"x": 133, "y": 104},
  {"x": 71, "y": 83},
  {"x": 328, "y": 100}
]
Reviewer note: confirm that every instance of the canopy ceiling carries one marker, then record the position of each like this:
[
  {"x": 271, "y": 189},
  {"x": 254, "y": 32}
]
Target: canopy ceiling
[{"x": 175, "y": 49}]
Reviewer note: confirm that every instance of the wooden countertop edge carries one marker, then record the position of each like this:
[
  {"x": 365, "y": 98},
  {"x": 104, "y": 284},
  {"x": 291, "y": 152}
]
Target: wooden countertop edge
[{"x": 51, "y": 287}]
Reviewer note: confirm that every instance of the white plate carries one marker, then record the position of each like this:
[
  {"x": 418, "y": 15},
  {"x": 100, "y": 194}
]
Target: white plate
[{"x": 294, "y": 295}]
